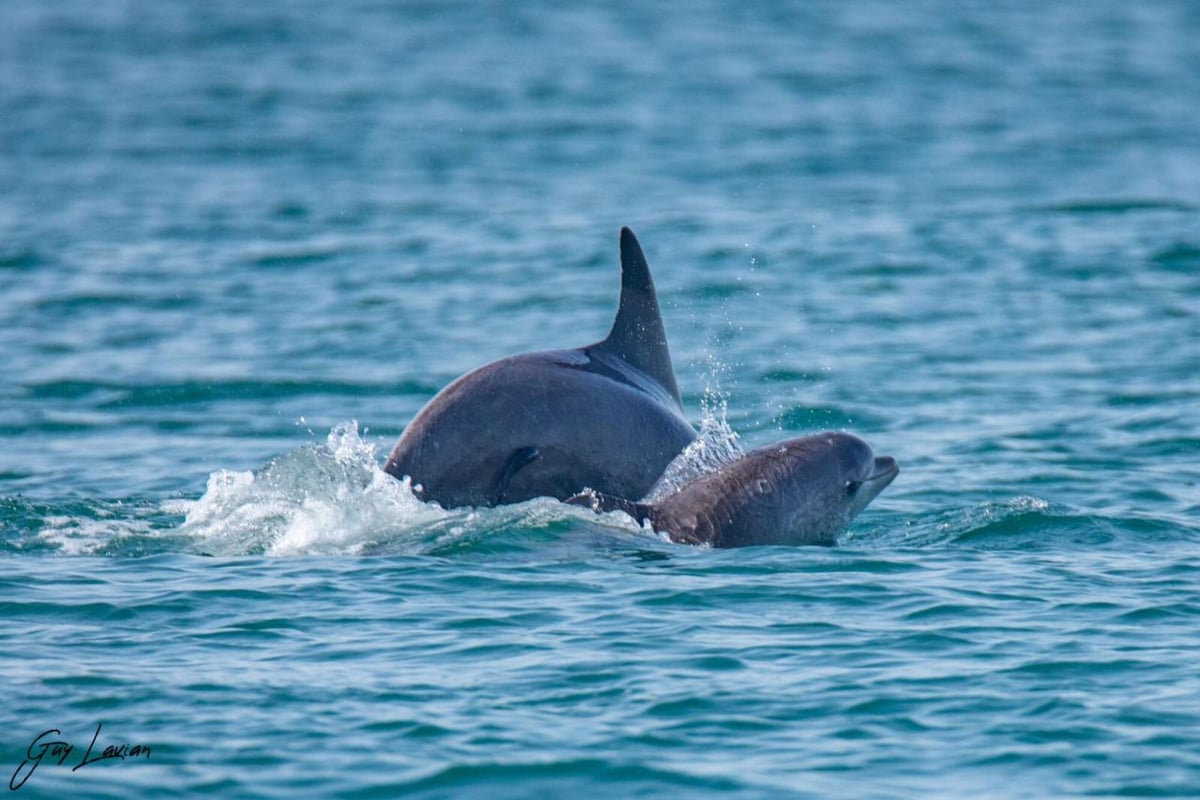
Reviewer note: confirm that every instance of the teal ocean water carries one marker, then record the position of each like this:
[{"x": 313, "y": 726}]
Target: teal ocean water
[{"x": 242, "y": 244}]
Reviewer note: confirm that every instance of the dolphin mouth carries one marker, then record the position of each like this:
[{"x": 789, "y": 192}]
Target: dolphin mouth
[{"x": 886, "y": 470}]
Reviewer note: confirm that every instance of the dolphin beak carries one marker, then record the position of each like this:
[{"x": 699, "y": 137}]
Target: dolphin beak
[
  {"x": 883, "y": 472},
  {"x": 886, "y": 470}
]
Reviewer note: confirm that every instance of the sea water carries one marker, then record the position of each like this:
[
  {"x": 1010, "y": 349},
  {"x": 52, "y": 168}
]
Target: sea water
[{"x": 242, "y": 244}]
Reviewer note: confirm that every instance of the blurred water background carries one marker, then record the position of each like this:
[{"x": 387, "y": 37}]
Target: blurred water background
[{"x": 242, "y": 244}]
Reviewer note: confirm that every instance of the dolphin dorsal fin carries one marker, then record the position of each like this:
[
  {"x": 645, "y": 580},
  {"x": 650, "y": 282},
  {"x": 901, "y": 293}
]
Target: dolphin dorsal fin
[{"x": 637, "y": 336}]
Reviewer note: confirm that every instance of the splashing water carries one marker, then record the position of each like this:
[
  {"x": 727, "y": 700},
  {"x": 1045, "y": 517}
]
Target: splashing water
[
  {"x": 317, "y": 499},
  {"x": 715, "y": 446}
]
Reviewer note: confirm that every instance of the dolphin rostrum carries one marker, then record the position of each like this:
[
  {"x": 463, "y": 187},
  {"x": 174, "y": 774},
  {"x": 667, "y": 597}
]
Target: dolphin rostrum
[
  {"x": 795, "y": 492},
  {"x": 548, "y": 424}
]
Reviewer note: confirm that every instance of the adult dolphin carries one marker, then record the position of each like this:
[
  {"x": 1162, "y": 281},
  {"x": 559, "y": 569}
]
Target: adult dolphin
[
  {"x": 548, "y": 424},
  {"x": 794, "y": 492}
]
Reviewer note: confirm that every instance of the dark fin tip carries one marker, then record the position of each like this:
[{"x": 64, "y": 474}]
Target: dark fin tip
[
  {"x": 635, "y": 272},
  {"x": 637, "y": 335}
]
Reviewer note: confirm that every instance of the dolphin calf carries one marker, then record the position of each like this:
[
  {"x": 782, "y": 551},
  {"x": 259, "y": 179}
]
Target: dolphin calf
[
  {"x": 794, "y": 492},
  {"x": 548, "y": 424}
]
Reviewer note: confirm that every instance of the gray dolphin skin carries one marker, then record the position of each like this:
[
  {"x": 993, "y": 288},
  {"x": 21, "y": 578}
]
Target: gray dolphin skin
[
  {"x": 549, "y": 424},
  {"x": 802, "y": 491}
]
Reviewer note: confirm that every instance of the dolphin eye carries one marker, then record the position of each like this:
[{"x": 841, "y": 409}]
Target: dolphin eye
[{"x": 852, "y": 486}]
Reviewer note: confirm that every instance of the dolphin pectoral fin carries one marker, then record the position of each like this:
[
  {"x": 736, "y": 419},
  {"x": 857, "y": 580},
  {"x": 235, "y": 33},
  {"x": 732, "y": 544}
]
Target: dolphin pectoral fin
[
  {"x": 637, "y": 336},
  {"x": 602, "y": 503},
  {"x": 520, "y": 458}
]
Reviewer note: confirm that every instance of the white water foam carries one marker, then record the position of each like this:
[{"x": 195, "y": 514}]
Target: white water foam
[
  {"x": 715, "y": 446},
  {"x": 317, "y": 499},
  {"x": 96, "y": 527}
]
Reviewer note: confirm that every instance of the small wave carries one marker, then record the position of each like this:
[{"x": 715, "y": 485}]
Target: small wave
[
  {"x": 84, "y": 527},
  {"x": 21, "y": 260},
  {"x": 1016, "y": 522},
  {"x": 1022, "y": 522},
  {"x": 121, "y": 395},
  {"x": 1119, "y": 205},
  {"x": 314, "y": 251},
  {"x": 1182, "y": 257}
]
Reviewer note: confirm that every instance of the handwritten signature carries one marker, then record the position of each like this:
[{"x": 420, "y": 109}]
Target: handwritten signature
[{"x": 44, "y": 748}]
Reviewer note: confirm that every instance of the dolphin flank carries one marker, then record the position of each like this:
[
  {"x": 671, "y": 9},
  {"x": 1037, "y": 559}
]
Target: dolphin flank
[{"x": 549, "y": 424}]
